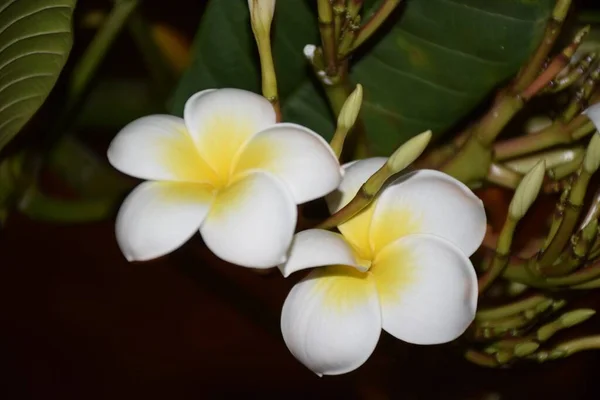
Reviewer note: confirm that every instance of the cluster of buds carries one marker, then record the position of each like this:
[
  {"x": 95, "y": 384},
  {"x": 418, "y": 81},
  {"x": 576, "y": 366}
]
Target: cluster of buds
[{"x": 556, "y": 157}]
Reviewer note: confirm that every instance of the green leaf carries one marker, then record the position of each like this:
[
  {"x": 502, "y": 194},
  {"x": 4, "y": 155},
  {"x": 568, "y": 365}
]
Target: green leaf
[
  {"x": 35, "y": 40},
  {"x": 437, "y": 62}
]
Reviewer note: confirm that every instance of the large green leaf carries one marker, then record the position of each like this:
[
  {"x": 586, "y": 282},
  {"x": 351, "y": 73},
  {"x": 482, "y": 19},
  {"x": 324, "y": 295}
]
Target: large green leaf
[
  {"x": 35, "y": 40},
  {"x": 439, "y": 60}
]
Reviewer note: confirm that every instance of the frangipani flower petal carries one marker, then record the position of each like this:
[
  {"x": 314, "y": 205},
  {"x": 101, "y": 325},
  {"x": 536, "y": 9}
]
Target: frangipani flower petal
[
  {"x": 331, "y": 320},
  {"x": 252, "y": 221},
  {"x": 158, "y": 217},
  {"x": 428, "y": 201},
  {"x": 316, "y": 248},
  {"x": 355, "y": 230},
  {"x": 427, "y": 288},
  {"x": 221, "y": 121},
  {"x": 157, "y": 147},
  {"x": 296, "y": 155}
]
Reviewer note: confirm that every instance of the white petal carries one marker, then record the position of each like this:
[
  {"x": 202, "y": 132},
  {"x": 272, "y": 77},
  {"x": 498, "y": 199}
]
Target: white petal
[
  {"x": 251, "y": 222},
  {"x": 427, "y": 201},
  {"x": 296, "y": 155},
  {"x": 317, "y": 248},
  {"x": 158, "y": 217},
  {"x": 355, "y": 174},
  {"x": 356, "y": 230},
  {"x": 331, "y": 320},
  {"x": 221, "y": 121},
  {"x": 427, "y": 288},
  {"x": 157, "y": 147}
]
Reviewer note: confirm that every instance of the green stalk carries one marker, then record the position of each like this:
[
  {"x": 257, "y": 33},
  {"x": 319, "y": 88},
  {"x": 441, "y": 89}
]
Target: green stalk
[
  {"x": 568, "y": 220},
  {"x": 511, "y": 309},
  {"x": 328, "y": 39},
  {"x": 96, "y": 51},
  {"x": 554, "y": 135},
  {"x": 374, "y": 23}
]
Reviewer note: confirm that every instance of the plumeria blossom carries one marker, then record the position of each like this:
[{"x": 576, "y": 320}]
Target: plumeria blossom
[
  {"x": 226, "y": 169},
  {"x": 400, "y": 265}
]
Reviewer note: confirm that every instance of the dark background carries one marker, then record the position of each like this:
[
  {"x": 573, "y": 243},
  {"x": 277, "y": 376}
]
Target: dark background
[{"x": 79, "y": 322}]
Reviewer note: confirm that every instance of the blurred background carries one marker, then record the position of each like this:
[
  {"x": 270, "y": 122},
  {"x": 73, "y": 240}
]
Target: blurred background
[{"x": 80, "y": 322}]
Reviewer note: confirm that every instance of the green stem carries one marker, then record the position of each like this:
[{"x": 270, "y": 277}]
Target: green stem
[
  {"x": 534, "y": 65},
  {"x": 376, "y": 20},
  {"x": 577, "y": 345},
  {"x": 481, "y": 359},
  {"x": 569, "y": 218},
  {"x": 96, "y": 51},
  {"x": 511, "y": 309},
  {"x": 501, "y": 255},
  {"x": 503, "y": 176},
  {"x": 337, "y": 89},
  {"x": 554, "y": 135},
  {"x": 520, "y": 273},
  {"x": 328, "y": 39}
]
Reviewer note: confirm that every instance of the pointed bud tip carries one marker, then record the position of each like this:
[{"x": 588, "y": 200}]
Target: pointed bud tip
[
  {"x": 591, "y": 161},
  {"x": 261, "y": 16},
  {"x": 409, "y": 151},
  {"x": 527, "y": 191},
  {"x": 576, "y": 317},
  {"x": 351, "y": 108}
]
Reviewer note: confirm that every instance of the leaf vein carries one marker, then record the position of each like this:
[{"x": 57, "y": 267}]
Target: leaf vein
[
  {"x": 452, "y": 50},
  {"x": 38, "y": 34},
  {"x": 24, "y": 78},
  {"x": 17, "y": 101},
  {"x": 14, "y": 21},
  {"x": 419, "y": 79},
  {"x": 493, "y": 14},
  {"x": 31, "y": 53}
]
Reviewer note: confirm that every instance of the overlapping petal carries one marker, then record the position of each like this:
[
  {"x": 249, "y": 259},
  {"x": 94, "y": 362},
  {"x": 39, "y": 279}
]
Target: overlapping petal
[
  {"x": 357, "y": 229},
  {"x": 331, "y": 320},
  {"x": 252, "y": 221},
  {"x": 221, "y": 121},
  {"x": 157, "y": 147},
  {"x": 427, "y": 201},
  {"x": 296, "y": 155},
  {"x": 427, "y": 288},
  {"x": 316, "y": 248},
  {"x": 158, "y": 217}
]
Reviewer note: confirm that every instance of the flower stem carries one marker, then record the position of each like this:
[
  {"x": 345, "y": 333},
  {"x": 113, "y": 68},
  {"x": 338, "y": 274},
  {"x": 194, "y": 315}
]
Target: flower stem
[
  {"x": 328, "y": 37},
  {"x": 472, "y": 161},
  {"x": 268, "y": 75},
  {"x": 556, "y": 134},
  {"x": 511, "y": 309},
  {"x": 501, "y": 259},
  {"x": 502, "y": 176},
  {"x": 376, "y": 20},
  {"x": 534, "y": 65},
  {"x": 95, "y": 52},
  {"x": 566, "y": 221}
]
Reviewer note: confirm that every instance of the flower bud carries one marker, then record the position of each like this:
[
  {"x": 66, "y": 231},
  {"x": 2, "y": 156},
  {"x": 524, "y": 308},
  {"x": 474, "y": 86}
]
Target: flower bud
[
  {"x": 350, "y": 109},
  {"x": 261, "y": 16},
  {"x": 591, "y": 162},
  {"x": 527, "y": 191},
  {"x": 409, "y": 152},
  {"x": 575, "y": 317}
]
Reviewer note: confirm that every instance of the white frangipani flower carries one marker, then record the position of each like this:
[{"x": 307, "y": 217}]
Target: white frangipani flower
[
  {"x": 227, "y": 169},
  {"x": 400, "y": 265}
]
